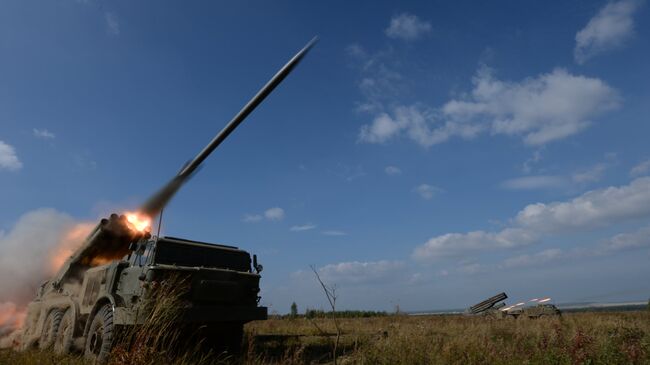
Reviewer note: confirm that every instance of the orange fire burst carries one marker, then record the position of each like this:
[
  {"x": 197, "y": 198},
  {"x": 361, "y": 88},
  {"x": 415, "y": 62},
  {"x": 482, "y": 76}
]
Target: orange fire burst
[
  {"x": 11, "y": 317},
  {"x": 139, "y": 222}
]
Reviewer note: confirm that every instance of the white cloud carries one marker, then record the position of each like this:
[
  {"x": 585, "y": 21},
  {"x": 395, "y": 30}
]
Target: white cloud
[
  {"x": 457, "y": 244},
  {"x": 472, "y": 268},
  {"x": 549, "y": 107},
  {"x": 274, "y": 214},
  {"x": 536, "y": 259},
  {"x": 334, "y": 233},
  {"x": 392, "y": 170},
  {"x": 271, "y": 214},
  {"x": 608, "y": 30},
  {"x": 347, "y": 172},
  {"x": 355, "y": 50},
  {"x": 592, "y": 209},
  {"x": 592, "y": 174},
  {"x": 546, "y": 108},
  {"x": 304, "y": 227},
  {"x": 8, "y": 158},
  {"x": 416, "y": 122},
  {"x": 407, "y": 27},
  {"x": 251, "y": 218},
  {"x": 356, "y": 272},
  {"x": 112, "y": 24},
  {"x": 535, "y": 182},
  {"x": 596, "y": 208},
  {"x": 629, "y": 241},
  {"x": 579, "y": 178},
  {"x": 527, "y": 167},
  {"x": 43, "y": 133},
  {"x": 641, "y": 169},
  {"x": 427, "y": 191}
]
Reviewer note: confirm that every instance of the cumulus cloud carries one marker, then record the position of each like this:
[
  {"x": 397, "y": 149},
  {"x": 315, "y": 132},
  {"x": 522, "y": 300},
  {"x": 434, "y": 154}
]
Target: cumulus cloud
[
  {"x": 274, "y": 214},
  {"x": 8, "y": 158},
  {"x": 548, "y": 107},
  {"x": 407, "y": 27},
  {"x": 304, "y": 227},
  {"x": 43, "y": 133},
  {"x": 392, "y": 170},
  {"x": 112, "y": 24},
  {"x": 356, "y": 272},
  {"x": 457, "y": 244},
  {"x": 641, "y": 169},
  {"x": 536, "y": 259},
  {"x": 417, "y": 123},
  {"x": 427, "y": 191},
  {"x": 590, "y": 175},
  {"x": 578, "y": 178},
  {"x": 596, "y": 208},
  {"x": 629, "y": 241},
  {"x": 608, "y": 30}
]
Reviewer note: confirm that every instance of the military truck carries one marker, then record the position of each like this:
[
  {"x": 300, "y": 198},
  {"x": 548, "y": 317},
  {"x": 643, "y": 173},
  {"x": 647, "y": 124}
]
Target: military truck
[
  {"x": 104, "y": 285},
  {"x": 81, "y": 308}
]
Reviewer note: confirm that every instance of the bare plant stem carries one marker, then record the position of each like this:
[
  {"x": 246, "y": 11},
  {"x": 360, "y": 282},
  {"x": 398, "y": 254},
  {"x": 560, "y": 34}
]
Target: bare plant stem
[{"x": 330, "y": 293}]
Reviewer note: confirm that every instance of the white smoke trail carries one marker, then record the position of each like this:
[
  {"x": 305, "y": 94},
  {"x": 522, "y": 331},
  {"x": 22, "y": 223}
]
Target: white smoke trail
[{"x": 37, "y": 245}]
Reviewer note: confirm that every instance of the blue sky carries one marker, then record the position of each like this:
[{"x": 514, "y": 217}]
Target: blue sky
[{"x": 424, "y": 154}]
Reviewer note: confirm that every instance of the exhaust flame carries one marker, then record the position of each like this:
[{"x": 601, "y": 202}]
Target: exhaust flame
[
  {"x": 139, "y": 222},
  {"x": 11, "y": 317}
]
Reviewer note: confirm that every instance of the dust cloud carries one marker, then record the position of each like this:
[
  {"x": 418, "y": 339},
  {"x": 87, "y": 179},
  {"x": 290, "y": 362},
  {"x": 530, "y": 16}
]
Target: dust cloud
[{"x": 30, "y": 253}]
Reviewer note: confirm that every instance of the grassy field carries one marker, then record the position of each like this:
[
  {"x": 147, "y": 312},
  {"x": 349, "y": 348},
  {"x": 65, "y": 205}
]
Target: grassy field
[{"x": 575, "y": 338}]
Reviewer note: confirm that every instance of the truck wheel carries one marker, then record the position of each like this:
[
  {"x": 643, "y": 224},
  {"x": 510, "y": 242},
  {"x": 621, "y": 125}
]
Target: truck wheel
[
  {"x": 224, "y": 337},
  {"x": 50, "y": 328},
  {"x": 64, "y": 337},
  {"x": 99, "y": 340},
  {"x": 234, "y": 339}
]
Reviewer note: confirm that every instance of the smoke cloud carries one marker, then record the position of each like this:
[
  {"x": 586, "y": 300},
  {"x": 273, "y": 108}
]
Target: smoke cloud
[{"x": 30, "y": 253}]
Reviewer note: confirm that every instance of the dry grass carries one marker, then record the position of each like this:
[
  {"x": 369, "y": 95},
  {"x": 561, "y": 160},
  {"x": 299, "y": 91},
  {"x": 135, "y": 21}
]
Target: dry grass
[{"x": 580, "y": 338}]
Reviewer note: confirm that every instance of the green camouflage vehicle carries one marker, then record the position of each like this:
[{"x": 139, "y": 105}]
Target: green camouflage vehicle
[
  {"x": 536, "y": 311},
  {"x": 81, "y": 307},
  {"x": 106, "y": 284}
]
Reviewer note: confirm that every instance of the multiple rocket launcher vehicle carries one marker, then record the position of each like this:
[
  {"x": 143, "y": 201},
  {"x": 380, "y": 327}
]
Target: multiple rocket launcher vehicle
[
  {"x": 105, "y": 284},
  {"x": 496, "y": 308}
]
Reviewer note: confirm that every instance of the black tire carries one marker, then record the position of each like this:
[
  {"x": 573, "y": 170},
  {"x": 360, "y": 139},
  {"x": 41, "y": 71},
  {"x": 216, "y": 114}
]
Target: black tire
[
  {"x": 99, "y": 340},
  {"x": 50, "y": 329},
  {"x": 234, "y": 339},
  {"x": 224, "y": 337},
  {"x": 65, "y": 334}
]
